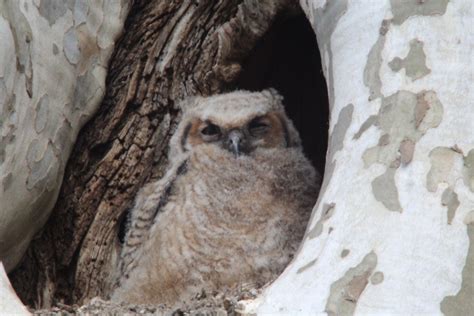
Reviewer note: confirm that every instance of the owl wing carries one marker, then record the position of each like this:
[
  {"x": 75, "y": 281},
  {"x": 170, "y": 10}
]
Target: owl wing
[{"x": 148, "y": 203}]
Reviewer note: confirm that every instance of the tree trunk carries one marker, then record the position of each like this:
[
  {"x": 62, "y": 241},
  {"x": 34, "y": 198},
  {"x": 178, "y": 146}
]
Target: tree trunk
[
  {"x": 393, "y": 229},
  {"x": 39, "y": 121},
  {"x": 169, "y": 49}
]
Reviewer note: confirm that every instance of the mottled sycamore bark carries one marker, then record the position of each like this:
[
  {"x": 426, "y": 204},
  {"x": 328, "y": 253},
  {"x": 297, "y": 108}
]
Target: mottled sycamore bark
[{"x": 392, "y": 231}]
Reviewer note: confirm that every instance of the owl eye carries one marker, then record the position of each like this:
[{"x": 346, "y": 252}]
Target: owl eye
[
  {"x": 258, "y": 126},
  {"x": 211, "y": 130}
]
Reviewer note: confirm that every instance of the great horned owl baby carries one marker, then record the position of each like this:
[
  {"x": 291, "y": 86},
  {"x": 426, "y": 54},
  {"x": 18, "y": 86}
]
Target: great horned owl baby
[{"x": 232, "y": 208}]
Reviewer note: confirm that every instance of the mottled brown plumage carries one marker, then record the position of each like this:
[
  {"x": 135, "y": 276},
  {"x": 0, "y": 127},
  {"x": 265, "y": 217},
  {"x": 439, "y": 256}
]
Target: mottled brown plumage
[{"x": 232, "y": 208}]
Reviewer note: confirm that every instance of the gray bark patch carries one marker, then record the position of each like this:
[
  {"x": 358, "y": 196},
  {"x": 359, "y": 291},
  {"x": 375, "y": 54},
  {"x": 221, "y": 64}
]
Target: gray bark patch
[
  {"x": 384, "y": 140},
  {"x": 41, "y": 115},
  {"x": 325, "y": 22},
  {"x": 403, "y": 9},
  {"x": 55, "y": 49},
  {"x": 80, "y": 12},
  {"x": 62, "y": 137},
  {"x": 336, "y": 140},
  {"x": 340, "y": 129},
  {"x": 372, "y": 68},
  {"x": 71, "y": 46},
  {"x": 469, "y": 218},
  {"x": 450, "y": 199},
  {"x": 43, "y": 166},
  {"x": 420, "y": 112},
  {"x": 346, "y": 291},
  {"x": 85, "y": 83},
  {"x": 468, "y": 172},
  {"x": 344, "y": 253},
  {"x": 414, "y": 63},
  {"x": 307, "y": 266},
  {"x": 402, "y": 124},
  {"x": 52, "y": 10},
  {"x": 8, "y": 119},
  {"x": 407, "y": 148},
  {"x": 365, "y": 126},
  {"x": 377, "y": 278},
  {"x": 327, "y": 212},
  {"x": 463, "y": 303},
  {"x": 385, "y": 190},
  {"x": 443, "y": 168},
  {"x": 326, "y": 19},
  {"x": 7, "y": 181},
  {"x": 442, "y": 165},
  {"x": 374, "y": 62}
]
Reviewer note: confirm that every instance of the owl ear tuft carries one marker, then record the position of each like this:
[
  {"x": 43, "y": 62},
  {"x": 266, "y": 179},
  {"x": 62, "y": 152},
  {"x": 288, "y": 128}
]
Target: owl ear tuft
[
  {"x": 275, "y": 97},
  {"x": 291, "y": 134},
  {"x": 292, "y": 137}
]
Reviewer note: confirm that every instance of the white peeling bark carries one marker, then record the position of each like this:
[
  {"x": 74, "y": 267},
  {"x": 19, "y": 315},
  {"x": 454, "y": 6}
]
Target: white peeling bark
[
  {"x": 53, "y": 63},
  {"x": 393, "y": 229}
]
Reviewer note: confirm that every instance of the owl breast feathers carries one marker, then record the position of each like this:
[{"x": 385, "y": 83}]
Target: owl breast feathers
[{"x": 232, "y": 208}]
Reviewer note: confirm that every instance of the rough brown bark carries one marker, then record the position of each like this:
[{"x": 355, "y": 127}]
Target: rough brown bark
[{"x": 169, "y": 49}]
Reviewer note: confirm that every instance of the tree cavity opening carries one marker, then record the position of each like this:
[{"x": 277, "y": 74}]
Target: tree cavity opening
[{"x": 287, "y": 58}]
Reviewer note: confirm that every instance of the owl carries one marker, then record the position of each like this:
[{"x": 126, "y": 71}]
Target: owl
[{"x": 232, "y": 208}]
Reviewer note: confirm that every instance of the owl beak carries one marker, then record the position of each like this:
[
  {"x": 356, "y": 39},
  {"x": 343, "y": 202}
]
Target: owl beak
[{"x": 234, "y": 142}]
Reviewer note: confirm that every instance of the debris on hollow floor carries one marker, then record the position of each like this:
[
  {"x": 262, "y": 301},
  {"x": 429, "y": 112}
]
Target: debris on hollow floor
[{"x": 218, "y": 304}]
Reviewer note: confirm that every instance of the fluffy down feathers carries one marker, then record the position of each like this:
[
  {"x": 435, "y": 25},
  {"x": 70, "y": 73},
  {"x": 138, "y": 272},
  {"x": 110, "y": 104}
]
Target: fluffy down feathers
[{"x": 218, "y": 219}]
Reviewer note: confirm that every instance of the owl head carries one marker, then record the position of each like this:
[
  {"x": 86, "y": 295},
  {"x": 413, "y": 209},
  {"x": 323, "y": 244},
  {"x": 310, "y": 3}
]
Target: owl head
[{"x": 239, "y": 122}]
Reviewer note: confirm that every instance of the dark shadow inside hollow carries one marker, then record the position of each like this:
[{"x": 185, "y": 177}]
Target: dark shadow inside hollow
[{"x": 287, "y": 59}]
